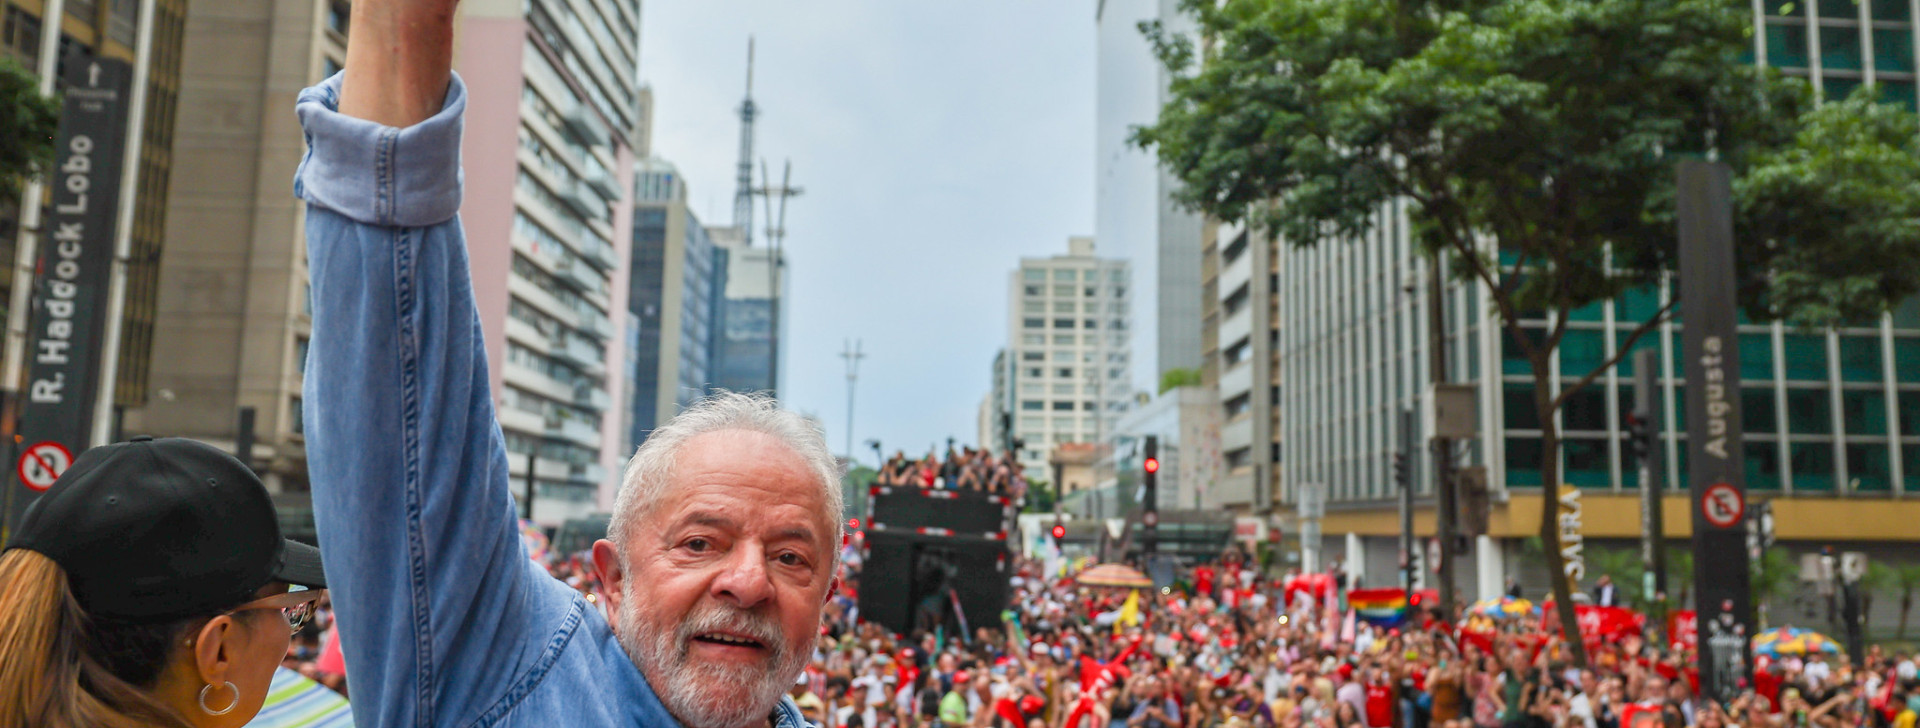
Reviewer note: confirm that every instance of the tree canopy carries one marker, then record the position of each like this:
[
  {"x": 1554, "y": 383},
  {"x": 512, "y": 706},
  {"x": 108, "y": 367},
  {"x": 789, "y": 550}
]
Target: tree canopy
[
  {"x": 1533, "y": 144},
  {"x": 28, "y": 122}
]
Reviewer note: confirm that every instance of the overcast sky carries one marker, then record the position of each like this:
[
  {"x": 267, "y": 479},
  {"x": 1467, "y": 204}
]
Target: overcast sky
[{"x": 938, "y": 142}]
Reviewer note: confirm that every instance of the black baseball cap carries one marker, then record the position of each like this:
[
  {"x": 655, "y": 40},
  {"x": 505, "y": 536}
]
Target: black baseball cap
[{"x": 151, "y": 531}]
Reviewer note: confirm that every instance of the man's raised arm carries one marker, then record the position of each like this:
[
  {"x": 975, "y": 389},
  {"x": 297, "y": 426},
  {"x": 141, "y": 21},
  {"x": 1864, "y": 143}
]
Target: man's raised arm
[{"x": 441, "y": 614}]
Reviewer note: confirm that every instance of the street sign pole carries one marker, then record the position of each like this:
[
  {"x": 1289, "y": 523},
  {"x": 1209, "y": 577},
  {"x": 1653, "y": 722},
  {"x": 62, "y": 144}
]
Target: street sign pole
[
  {"x": 1716, "y": 461},
  {"x": 1649, "y": 419},
  {"x": 71, "y": 298}
]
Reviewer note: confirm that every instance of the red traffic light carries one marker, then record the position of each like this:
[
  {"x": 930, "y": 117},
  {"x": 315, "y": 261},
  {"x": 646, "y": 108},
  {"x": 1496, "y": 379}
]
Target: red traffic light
[
  {"x": 1059, "y": 532},
  {"x": 1152, "y": 465},
  {"x": 853, "y": 524}
]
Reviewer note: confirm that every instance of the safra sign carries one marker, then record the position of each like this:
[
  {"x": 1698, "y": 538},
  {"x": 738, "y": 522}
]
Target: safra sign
[
  {"x": 75, "y": 258},
  {"x": 1572, "y": 546}
]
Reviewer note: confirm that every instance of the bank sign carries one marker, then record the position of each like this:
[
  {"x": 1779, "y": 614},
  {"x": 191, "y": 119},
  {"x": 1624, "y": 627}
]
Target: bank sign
[{"x": 70, "y": 277}]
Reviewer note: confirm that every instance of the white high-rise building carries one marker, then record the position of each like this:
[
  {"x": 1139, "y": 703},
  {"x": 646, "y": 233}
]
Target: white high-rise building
[{"x": 1066, "y": 373}]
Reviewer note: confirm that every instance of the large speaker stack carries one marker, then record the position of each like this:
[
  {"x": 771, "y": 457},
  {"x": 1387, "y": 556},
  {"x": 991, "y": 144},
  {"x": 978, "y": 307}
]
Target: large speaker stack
[{"x": 927, "y": 549}]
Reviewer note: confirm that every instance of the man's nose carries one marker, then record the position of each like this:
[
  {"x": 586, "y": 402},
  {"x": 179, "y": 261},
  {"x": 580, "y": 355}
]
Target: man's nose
[{"x": 743, "y": 580}]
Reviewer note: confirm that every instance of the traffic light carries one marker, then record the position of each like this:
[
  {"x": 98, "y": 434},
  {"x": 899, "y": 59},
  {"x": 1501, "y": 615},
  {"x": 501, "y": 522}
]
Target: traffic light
[
  {"x": 1059, "y": 532},
  {"x": 1402, "y": 474},
  {"x": 1152, "y": 465},
  {"x": 1640, "y": 435}
]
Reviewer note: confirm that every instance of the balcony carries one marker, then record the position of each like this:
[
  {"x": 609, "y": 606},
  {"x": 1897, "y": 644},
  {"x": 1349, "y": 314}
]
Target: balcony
[
  {"x": 579, "y": 352},
  {"x": 596, "y": 252},
  {"x": 574, "y": 430},
  {"x": 584, "y": 123},
  {"x": 593, "y": 398},
  {"x": 590, "y": 473},
  {"x": 582, "y": 276},
  {"x": 583, "y": 201},
  {"x": 602, "y": 181},
  {"x": 597, "y": 326}
]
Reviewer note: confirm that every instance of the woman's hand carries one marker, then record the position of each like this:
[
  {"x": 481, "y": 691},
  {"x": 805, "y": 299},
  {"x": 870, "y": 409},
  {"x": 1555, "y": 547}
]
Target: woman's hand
[{"x": 400, "y": 60}]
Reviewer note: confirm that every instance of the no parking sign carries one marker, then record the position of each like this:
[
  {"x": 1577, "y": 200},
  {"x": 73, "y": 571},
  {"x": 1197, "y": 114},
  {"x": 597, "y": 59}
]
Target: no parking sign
[{"x": 42, "y": 464}]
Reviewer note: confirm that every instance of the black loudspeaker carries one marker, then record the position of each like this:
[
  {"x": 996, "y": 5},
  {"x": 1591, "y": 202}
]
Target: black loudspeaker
[
  {"x": 909, "y": 582},
  {"x": 927, "y": 511}
]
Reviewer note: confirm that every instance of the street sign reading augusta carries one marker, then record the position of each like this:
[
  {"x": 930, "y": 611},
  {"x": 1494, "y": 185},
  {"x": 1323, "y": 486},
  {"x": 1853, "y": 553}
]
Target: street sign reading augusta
[
  {"x": 1716, "y": 464},
  {"x": 76, "y": 252}
]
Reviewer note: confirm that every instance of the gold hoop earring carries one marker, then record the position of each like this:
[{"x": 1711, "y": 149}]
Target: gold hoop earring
[{"x": 222, "y": 711}]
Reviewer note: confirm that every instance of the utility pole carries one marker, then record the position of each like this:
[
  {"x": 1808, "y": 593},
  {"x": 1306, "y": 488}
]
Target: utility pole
[
  {"x": 526, "y": 504},
  {"x": 1446, "y": 509},
  {"x": 1646, "y": 421},
  {"x": 776, "y": 234},
  {"x": 26, "y": 250},
  {"x": 853, "y": 356},
  {"x": 1403, "y": 477}
]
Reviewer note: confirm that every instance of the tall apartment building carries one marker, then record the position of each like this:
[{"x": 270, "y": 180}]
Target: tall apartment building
[
  {"x": 1134, "y": 214},
  {"x": 109, "y": 30},
  {"x": 676, "y": 292},
  {"x": 1831, "y": 418},
  {"x": 1238, "y": 363},
  {"x": 553, "y": 111},
  {"x": 1068, "y": 361},
  {"x": 231, "y": 319}
]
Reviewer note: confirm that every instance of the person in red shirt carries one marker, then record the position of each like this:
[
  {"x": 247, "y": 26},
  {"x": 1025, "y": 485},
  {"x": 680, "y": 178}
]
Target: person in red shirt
[
  {"x": 1203, "y": 580},
  {"x": 1379, "y": 700}
]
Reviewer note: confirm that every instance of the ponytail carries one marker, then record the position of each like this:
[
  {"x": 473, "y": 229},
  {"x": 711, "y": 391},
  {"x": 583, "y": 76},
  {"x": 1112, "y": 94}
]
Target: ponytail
[{"x": 64, "y": 671}]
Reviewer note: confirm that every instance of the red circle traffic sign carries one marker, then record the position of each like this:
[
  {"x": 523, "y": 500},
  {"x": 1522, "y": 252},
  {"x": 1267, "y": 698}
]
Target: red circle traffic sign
[
  {"x": 1723, "y": 505},
  {"x": 42, "y": 464}
]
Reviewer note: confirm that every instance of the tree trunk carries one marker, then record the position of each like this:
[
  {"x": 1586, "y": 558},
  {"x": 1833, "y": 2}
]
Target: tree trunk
[
  {"x": 1550, "y": 512},
  {"x": 1906, "y": 605}
]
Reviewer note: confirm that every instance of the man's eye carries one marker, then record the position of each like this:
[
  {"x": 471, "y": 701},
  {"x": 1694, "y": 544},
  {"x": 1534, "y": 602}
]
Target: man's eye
[
  {"x": 698, "y": 544},
  {"x": 792, "y": 559}
]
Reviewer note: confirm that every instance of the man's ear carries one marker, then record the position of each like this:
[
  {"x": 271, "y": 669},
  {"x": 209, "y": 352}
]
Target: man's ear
[{"x": 613, "y": 576}]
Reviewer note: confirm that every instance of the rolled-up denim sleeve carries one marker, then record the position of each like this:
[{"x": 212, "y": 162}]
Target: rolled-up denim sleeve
[
  {"x": 439, "y": 608},
  {"x": 377, "y": 174}
]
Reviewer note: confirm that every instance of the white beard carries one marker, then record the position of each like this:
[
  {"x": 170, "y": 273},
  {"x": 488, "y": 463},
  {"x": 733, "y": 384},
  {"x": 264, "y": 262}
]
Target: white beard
[{"x": 704, "y": 695}]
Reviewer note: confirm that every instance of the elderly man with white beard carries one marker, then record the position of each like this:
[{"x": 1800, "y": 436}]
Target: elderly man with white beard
[{"x": 722, "y": 552}]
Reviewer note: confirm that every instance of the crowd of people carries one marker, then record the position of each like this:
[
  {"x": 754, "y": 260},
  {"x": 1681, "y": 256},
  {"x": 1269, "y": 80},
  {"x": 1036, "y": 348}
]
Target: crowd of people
[
  {"x": 1224, "y": 648},
  {"x": 964, "y": 469}
]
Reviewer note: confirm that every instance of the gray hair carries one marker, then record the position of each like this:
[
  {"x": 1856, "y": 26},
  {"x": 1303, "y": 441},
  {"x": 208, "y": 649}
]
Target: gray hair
[{"x": 647, "y": 473}]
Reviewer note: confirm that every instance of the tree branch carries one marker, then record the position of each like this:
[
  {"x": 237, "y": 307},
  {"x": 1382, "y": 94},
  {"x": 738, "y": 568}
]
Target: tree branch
[{"x": 1665, "y": 313}]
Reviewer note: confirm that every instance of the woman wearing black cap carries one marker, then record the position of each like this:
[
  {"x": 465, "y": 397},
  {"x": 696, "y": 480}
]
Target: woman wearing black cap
[{"x": 149, "y": 587}]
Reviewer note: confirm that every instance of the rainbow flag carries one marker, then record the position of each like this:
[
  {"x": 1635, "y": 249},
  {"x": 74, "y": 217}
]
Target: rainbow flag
[{"x": 1379, "y": 607}]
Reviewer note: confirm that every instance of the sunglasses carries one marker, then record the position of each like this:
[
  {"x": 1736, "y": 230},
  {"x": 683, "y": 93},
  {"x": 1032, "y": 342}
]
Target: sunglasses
[{"x": 295, "y": 606}]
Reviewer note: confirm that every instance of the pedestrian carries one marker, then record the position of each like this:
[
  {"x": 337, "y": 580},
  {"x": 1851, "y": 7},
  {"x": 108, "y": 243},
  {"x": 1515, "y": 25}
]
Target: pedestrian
[{"x": 150, "y": 586}]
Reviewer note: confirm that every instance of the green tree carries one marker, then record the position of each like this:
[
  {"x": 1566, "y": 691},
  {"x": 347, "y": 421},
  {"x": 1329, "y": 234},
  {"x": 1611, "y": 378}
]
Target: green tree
[
  {"x": 1039, "y": 497},
  {"x": 28, "y": 122},
  {"x": 1879, "y": 578},
  {"x": 1172, "y": 379},
  {"x": 1679, "y": 576},
  {"x": 1907, "y": 576},
  {"x": 1771, "y": 574},
  {"x": 1532, "y": 143}
]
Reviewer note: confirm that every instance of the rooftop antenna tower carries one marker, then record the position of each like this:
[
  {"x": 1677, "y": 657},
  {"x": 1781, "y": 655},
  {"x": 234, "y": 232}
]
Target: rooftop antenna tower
[{"x": 743, "y": 177}]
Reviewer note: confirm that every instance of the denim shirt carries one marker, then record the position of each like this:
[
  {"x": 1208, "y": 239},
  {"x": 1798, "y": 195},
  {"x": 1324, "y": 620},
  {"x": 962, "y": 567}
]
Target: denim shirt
[{"x": 444, "y": 621}]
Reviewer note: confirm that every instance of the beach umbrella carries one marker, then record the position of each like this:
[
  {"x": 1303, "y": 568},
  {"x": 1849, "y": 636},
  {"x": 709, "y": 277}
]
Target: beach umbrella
[
  {"x": 293, "y": 700},
  {"x": 1114, "y": 575},
  {"x": 1793, "y": 641},
  {"x": 1504, "y": 608}
]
